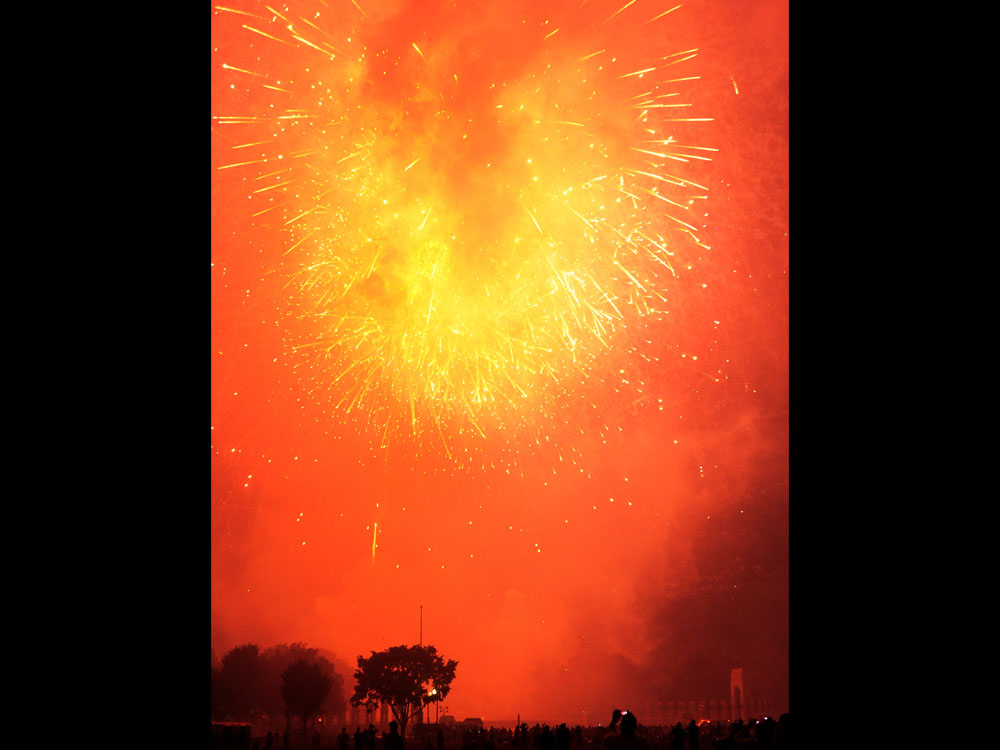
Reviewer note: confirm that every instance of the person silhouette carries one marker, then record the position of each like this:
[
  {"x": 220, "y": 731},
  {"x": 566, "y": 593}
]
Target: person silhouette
[
  {"x": 783, "y": 738},
  {"x": 627, "y": 739},
  {"x": 269, "y": 740},
  {"x": 765, "y": 731},
  {"x": 546, "y": 740},
  {"x": 677, "y": 735},
  {"x": 692, "y": 730},
  {"x": 616, "y": 716},
  {"x": 392, "y": 740},
  {"x": 564, "y": 737}
]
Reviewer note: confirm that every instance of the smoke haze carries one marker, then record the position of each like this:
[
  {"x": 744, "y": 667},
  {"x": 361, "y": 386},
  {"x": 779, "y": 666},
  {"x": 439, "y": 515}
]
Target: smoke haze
[{"x": 635, "y": 555}]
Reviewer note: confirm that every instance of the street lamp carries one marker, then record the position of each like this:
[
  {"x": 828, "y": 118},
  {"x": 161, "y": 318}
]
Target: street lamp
[{"x": 434, "y": 691}]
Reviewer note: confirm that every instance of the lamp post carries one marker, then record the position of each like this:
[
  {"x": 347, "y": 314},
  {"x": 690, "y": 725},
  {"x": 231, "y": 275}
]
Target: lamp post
[{"x": 421, "y": 643}]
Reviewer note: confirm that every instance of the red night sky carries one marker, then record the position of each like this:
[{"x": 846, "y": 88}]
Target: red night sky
[{"x": 615, "y": 532}]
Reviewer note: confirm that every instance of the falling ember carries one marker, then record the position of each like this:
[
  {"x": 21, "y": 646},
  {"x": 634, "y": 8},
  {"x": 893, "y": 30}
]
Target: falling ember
[{"x": 374, "y": 542}]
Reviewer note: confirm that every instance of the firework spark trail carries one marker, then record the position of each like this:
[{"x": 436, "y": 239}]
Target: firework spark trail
[{"x": 459, "y": 255}]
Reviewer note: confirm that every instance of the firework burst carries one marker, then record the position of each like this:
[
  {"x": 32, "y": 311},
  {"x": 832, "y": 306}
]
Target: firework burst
[{"x": 478, "y": 208}]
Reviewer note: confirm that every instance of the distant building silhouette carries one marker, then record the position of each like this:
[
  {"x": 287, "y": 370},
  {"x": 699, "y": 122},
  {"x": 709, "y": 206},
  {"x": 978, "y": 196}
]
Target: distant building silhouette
[
  {"x": 714, "y": 708},
  {"x": 736, "y": 695}
]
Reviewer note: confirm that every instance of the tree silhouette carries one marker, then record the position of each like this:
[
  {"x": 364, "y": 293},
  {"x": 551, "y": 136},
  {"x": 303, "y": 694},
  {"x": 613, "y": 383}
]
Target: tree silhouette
[
  {"x": 218, "y": 695},
  {"x": 405, "y": 678},
  {"x": 304, "y": 687},
  {"x": 279, "y": 657},
  {"x": 240, "y": 681}
]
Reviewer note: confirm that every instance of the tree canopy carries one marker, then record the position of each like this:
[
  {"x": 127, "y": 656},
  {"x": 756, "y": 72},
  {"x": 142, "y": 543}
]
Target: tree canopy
[
  {"x": 405, "y": 678},
  {"x": 240, "y": 681},
  {"x": 279, "y": 657},
  {"x": 248, "y": 680},
  {"x": 304, "y": 687}
]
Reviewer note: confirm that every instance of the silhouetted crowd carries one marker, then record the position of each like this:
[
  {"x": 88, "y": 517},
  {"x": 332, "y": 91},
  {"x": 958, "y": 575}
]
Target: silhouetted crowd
[{"x": 624, "y": 733}]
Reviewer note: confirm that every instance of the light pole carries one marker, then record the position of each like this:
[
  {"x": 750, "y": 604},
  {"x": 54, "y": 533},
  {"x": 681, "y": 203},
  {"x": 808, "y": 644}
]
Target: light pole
[{"x": 421, "y": 644}]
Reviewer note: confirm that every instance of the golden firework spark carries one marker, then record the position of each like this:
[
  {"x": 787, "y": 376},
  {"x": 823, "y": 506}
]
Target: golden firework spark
[{"x": 457, "y": 264}]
